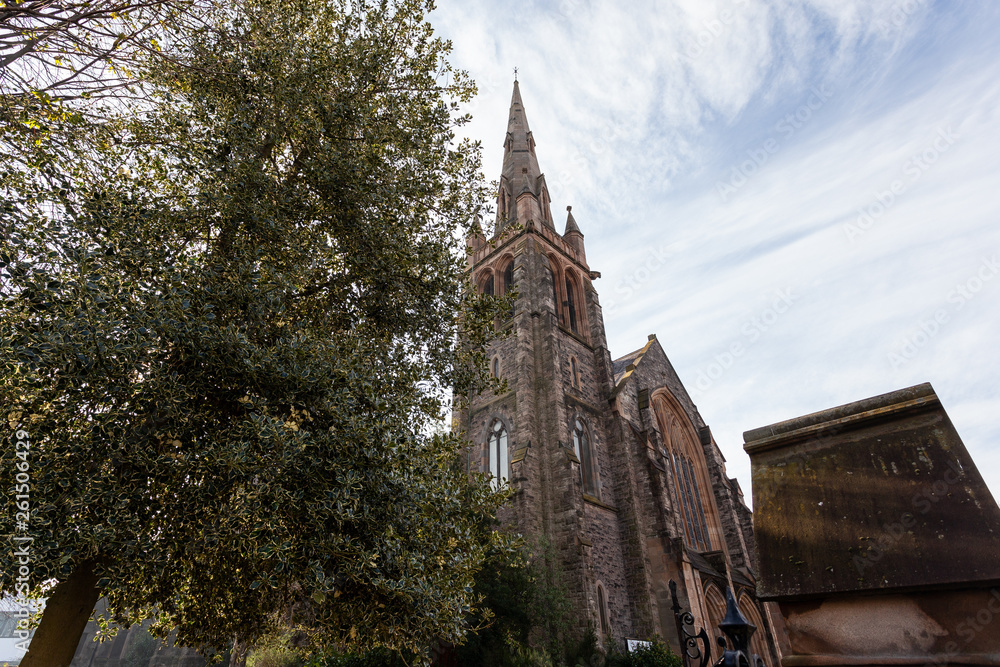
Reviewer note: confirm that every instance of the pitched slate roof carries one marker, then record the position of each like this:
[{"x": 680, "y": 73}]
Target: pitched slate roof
[{"x": 620, "y": 366}]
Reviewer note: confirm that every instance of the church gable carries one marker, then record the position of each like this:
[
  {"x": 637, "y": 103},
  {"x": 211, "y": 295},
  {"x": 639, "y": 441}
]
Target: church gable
[{"x": 644, "y": 371}]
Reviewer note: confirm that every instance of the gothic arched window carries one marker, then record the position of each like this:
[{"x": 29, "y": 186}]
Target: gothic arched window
[
  {"x": 602, "y": 607},
  {"x": 758, "y": 644},
  {"x": 689, "y": 474},
  {"x": 551, "y": 274},
  {"x": 570, "y": 304},
  {"x": 487, "y": 285},
  {"x": 584, "y": 452},
  {"x": 508, "y": 284},
  {"x": 715, "y": 604},
  {"x": 499, "y": 460}
]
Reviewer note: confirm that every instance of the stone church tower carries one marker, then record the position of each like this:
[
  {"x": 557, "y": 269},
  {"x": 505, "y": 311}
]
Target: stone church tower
[{"x": 609, "y": 458}]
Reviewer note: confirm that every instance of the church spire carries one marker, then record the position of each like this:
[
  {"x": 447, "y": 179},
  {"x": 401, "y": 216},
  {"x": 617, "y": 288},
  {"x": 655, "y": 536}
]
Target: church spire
[{"x": 523, "y": 195}]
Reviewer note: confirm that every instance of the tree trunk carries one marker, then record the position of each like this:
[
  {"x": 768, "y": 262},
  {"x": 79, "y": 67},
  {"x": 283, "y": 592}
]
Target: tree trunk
[
  {"x": 66, "y": 614},
  {"x": 238, "y": 655}
]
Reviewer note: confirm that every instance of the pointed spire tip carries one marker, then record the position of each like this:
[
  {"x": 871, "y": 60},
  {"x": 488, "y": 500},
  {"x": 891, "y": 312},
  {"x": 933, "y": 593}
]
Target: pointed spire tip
[{"x": 571, "y": 225}]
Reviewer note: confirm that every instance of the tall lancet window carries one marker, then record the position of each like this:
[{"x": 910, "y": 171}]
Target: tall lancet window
[
  {"x": 571, "y": 305},
  {"x": 508, "y": 284},
  {"x": 582, "y": 449},
  {"x": 602, "y": 607},
  {"x": 555, "y": 289},
  {"x": 488, "y": 286},
  {"x": 690, "y": 496},
  {"x": 499, "y": 461}
]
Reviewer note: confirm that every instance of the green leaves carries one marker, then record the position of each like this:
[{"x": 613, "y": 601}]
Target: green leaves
[{"x": 232, "y": 308}]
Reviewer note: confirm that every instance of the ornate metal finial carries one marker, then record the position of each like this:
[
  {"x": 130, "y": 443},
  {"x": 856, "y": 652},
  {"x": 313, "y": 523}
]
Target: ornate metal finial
[
  {"x": 515, "y": 75},
  {"x": 734, "y": 625},
  {"x": 689, "y": 641},
  {"x": 739, "y": 630}
]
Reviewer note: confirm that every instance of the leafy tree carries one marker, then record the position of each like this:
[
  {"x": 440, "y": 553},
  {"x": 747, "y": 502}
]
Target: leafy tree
[
  {"x": 228, "y": 319},
  {"x": 656, "y": 654},
  {"x": 274, "y": 653},
  {"x": 525, "y": 616},
  {"x": 502, "y": 622},
  {"x": 378, "y": 657},
  {"x": 551, "y": 611}
]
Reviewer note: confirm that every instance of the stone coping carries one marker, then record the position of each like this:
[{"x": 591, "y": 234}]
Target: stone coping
[{"x": 881, "y": 406}]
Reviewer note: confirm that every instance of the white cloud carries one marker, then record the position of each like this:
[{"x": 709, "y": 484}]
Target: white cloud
[{"x": 637, "y": 134}]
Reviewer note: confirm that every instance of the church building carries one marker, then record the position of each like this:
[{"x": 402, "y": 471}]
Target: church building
[{"x": 608, "y": 458}]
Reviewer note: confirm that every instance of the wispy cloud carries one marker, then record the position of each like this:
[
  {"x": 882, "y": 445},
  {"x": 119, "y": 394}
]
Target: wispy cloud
[{"x": 871, "y": 204}]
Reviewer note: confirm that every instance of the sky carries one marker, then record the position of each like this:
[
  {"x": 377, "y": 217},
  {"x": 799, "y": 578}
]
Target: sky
[{"x": 798, "y": 197}]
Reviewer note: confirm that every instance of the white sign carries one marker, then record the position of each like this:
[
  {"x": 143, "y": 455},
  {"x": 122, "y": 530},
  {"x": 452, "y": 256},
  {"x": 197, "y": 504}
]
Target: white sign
[{"x": 633, "y": 644}]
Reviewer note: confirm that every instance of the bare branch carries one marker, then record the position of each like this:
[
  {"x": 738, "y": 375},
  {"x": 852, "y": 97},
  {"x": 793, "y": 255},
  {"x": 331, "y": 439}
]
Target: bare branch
[{"x": 67, "y": 50}]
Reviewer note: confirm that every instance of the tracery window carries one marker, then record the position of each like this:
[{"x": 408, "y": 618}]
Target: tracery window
[
  {"x": 690, "y": 497},
  {"x": 499, "y": 460},
  {"x": 583, "y": 451},
  {"x": 691, "y": 484}
]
